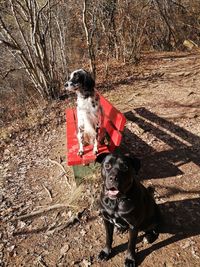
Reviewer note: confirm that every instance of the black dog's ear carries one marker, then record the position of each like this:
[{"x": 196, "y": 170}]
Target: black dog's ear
[
  {"x": 135, "y": 162},
  {"x": 89, "y": 82},
  {"x": 100, "y": 158}
]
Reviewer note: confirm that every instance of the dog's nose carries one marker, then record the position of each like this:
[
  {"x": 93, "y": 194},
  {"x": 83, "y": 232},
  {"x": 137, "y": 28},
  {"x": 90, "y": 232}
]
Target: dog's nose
[
  {"x": 66, "y": 84},
  {"x": 113, "y": 178}
]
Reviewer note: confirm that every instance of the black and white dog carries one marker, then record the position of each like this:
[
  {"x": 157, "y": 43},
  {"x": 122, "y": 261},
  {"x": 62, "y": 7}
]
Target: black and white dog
[{"x": 89, "y": 111}]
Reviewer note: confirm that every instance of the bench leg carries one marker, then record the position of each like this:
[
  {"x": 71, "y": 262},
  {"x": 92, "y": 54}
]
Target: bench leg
[
  {"x": 95, "y": 148},
  {"x": 80, "y": 137}
]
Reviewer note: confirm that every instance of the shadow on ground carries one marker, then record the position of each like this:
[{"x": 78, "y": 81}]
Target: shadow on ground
[
  {"x": 183, "y": 145},
  {"x": 181, "y": 221},
  {"x": 181, "y": 218}
]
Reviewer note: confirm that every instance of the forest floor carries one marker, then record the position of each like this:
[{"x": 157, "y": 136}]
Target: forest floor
[{"x": 49, "y": 219}]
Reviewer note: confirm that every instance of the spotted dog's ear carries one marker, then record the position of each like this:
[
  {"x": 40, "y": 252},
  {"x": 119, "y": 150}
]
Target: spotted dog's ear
[{"x": 89, "y": 82}]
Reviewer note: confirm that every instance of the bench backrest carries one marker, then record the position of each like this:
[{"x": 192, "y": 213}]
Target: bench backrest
[{"x": 113, "y": 121}]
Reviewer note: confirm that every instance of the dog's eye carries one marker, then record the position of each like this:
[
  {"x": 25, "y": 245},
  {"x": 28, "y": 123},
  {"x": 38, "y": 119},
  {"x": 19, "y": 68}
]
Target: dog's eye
[
  {"x": 76, "y": 76},
  {"x": 124, "y": 168},
  {"x": 107, "y": 166}
]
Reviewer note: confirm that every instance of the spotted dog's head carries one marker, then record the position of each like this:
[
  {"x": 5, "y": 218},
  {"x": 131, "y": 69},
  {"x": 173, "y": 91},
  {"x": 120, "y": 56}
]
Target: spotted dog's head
[
  {"x": 81, "y": 82},
  {"x": 118, "y": 172}
]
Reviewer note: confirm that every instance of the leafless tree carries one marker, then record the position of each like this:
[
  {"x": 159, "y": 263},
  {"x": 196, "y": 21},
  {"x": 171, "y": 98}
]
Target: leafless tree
[
  {"x": 29, "y": 30},
  {"x": 47, "y": 37},
  {"x": 90, "y": 28}
]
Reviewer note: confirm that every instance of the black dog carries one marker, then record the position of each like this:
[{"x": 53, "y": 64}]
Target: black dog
[{"x": 127, "y": 204}]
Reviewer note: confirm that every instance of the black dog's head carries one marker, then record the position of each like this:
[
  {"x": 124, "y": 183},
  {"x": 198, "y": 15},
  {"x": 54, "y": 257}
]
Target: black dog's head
[
  {"x": 118, "y": 172},
  {"x": 81, "y": 82}
]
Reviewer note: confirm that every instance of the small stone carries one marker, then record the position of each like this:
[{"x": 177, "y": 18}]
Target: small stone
[
  {"x": 64, "y": 249},
  {"x": 6, "y": 152},
  {"x": 195, "y": 253},
  {"x": 69, "y": 214},
  {"x": 86, "y": 263},
  {"x": 11, "y": 248},
  {"x": 21, "y": 224},
  {"x": 82, "y": 232},
  {"x": 186, "y": 245},
  {"x": 168, "y": 264}
]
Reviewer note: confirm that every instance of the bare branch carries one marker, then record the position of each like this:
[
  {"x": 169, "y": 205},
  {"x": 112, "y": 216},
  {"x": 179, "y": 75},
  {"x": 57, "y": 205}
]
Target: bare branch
[
  {"x": 12, "y": 70},
  {"x": 89, "y": 40},
  {"x": 43, "y": 7},
  {"x": 21, "y": 31},
  {"x": 10, "y": 45},
  {"x": 24, "y": 12}
]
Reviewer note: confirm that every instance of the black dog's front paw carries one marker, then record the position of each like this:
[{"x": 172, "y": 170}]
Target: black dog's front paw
[
  {"x": 129, "y": 263},
  {"x": 103, "y": 256},
  {"x": 95, "y": 151},
  {"x": 150, "y": 237}
]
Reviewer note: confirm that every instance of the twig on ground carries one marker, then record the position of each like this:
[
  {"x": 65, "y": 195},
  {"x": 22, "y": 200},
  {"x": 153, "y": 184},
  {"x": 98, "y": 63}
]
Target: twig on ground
[
  {"x": 58, "y": 164},
  {"x": 43, "y": 210},
  {"x": 41, "y": 261},
  {"x": 64, "y": 171},
  {"x": 48, "y": 192},
  {"x": 74, "y": 219},
  {"x": 55, "y": 226}
]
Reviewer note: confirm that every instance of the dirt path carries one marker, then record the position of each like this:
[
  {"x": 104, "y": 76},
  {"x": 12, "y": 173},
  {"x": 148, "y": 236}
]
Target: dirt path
[{"x": 161, "y": 100}]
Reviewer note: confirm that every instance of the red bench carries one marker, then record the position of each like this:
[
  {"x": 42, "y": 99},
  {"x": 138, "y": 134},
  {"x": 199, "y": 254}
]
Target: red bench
[{"x": 113, "y": 122}]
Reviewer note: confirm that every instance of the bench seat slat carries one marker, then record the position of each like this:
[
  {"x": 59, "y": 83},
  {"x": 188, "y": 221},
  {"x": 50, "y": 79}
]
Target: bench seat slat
[{"x": 72, "y": 143}]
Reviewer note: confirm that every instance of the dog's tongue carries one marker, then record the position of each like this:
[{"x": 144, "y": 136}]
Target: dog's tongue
[{"x": 113, "y": 192}]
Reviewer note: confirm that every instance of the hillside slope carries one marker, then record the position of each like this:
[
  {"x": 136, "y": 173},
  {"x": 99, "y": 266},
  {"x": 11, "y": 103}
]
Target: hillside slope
[{"x": 161, "y": 100}]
